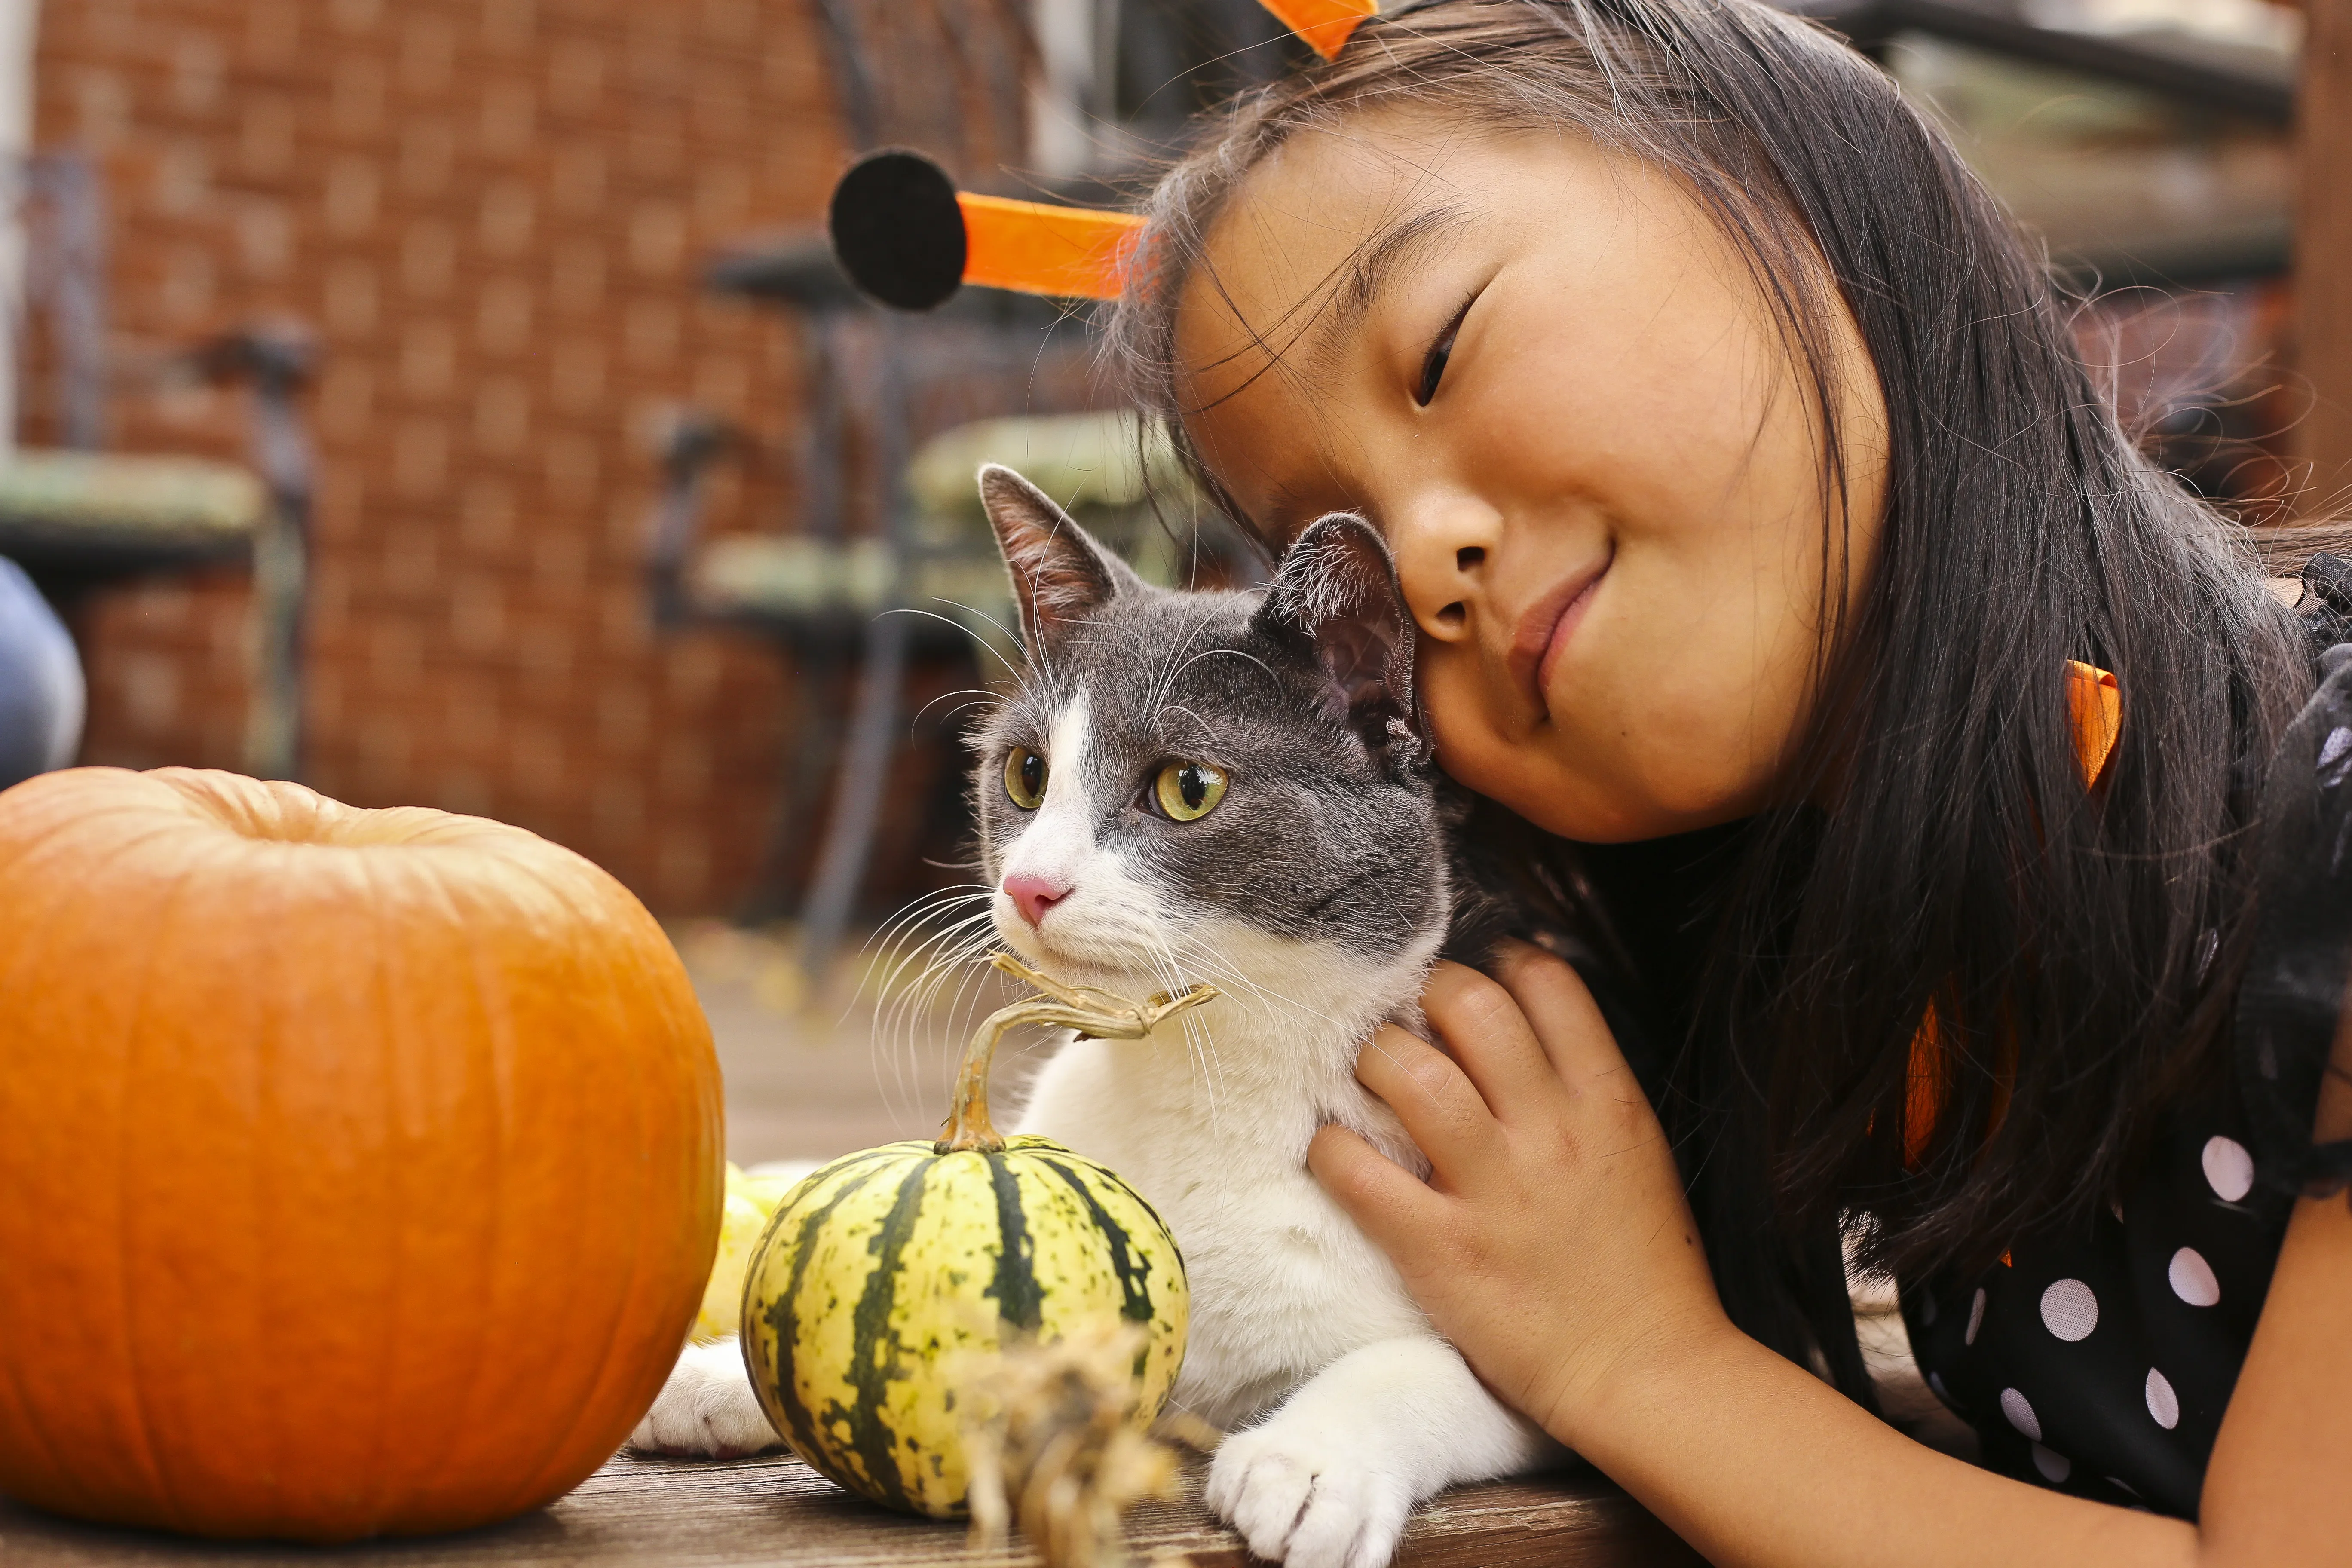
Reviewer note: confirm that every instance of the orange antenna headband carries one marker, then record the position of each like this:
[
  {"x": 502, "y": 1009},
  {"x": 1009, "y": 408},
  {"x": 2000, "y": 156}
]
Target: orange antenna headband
[
  {"x": 1323, "y": 25},
  {"x": 908, "y": 237}
]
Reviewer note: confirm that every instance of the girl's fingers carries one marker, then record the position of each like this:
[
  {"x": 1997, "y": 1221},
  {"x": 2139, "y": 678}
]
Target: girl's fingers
[
  {"x": 1557, "y": 1006},
  {"x": 1487, "y": 1030},
  {"x": 1440, "y": 1106},
  {"x": 1388, "y": 1203}
]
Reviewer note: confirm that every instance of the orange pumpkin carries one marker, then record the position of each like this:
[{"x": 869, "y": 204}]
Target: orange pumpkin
[{"x": 359, "y": 1171}]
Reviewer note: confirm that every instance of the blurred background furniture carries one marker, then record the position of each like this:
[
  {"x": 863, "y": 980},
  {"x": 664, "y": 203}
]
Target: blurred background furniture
[{"x": 76, "y": 518}]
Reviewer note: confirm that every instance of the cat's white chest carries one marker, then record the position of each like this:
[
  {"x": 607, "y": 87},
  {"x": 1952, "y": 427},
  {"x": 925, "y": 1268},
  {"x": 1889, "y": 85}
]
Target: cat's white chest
[{"x": 1282, "y": 1282}]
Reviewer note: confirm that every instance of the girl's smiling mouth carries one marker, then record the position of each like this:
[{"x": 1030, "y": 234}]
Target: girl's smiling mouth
[{"x": 1545, "y": 629}]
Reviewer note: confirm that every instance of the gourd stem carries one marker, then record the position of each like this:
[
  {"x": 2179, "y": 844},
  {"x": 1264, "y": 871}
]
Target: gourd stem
[
  {"x": 968, "y": 1126},
  {"x": 1089, "y": 1011}
]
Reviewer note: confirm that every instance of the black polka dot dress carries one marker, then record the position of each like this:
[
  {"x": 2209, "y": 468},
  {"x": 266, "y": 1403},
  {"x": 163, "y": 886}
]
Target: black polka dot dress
[{"x": 2099, "y": 1362}]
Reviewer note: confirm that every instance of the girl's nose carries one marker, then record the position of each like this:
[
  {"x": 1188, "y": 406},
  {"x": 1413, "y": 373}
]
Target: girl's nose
[
  {"x": 1033, "y": 896},
  {"x": 1443, "y": 544}
]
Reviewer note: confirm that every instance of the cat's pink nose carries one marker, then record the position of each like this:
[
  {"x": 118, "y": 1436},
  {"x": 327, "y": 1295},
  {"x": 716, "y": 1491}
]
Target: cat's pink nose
[{"x": 1033, "y": 896}]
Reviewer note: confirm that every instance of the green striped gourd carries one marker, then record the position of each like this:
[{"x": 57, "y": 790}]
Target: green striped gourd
[{"x": 883, "y": 1271}]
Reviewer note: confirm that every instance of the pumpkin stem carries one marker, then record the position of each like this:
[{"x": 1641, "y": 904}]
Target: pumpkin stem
[{"x": 1086, "y": 1008}]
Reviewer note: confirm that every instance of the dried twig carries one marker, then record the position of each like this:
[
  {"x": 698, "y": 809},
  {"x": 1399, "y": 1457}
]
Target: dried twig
[{"x": 1053, "y": 1436}]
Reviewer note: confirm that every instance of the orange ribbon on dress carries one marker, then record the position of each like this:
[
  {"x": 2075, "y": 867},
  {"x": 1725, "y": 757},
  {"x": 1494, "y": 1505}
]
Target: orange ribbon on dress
[
  {"x": 2095, "y": 708},
  {"x": 2096, "y": 704}
]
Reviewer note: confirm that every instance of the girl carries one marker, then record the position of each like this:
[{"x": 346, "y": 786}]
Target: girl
[{"x": 1903, "y": 731}]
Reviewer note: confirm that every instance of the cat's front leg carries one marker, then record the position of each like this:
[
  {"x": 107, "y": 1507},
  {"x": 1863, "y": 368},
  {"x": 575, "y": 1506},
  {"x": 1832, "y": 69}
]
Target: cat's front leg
[
  {"x": 707, "y": 1408},
  {"x": 1327, "y": 1479}
]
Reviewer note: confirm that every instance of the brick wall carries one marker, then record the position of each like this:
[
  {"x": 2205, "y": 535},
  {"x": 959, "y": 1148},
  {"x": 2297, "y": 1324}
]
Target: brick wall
[{"x": 493, "y": 214}]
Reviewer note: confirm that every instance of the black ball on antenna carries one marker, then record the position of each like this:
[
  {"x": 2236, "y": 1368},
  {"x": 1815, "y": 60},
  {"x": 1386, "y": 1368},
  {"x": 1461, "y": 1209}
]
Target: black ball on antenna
[{"x": 898, "y": 231}]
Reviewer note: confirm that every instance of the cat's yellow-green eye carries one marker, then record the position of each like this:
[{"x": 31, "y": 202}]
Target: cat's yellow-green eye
[
  {"x": 1188, "y": 791},
  {"x": 1025, "y": 778}
]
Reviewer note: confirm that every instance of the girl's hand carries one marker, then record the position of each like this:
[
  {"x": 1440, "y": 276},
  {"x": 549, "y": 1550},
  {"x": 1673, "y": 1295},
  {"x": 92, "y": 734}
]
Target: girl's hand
[{"x": 1551, "y": 1242}]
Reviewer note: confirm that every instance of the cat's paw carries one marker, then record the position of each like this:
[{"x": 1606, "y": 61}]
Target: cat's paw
[
  {"x": 1308, "y": 1497},
  {"x": 707, "y": 1409}
]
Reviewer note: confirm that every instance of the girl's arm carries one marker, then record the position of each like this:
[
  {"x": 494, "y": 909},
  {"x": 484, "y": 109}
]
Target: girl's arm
[{"x": 1553, "y": 1246}]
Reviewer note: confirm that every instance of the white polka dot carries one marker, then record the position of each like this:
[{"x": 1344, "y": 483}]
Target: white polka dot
[
  {"x": 2014, "y": 1406},
  {"x": 2121, "y": 1486},
  {"x": 2115, "y": 1208},
  {"x": 1976, "y": 1319},
  {"x": 2162, "y": 1403},
  {"x": 1935, "y": 1383},
  {"x": 2070, "y": 1311},
  {"x": 2229, "y": 1169},
  {"x": 2055, "y": 1468},
  {"x": 2192, "y": 1278}
]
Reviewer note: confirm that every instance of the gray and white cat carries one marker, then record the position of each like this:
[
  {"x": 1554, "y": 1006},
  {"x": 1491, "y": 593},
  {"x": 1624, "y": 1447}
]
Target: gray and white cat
[{"x": 1231, "y": 787}]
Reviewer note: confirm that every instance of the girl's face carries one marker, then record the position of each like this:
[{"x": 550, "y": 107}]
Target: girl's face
[{"x": 1548, "y": 378}]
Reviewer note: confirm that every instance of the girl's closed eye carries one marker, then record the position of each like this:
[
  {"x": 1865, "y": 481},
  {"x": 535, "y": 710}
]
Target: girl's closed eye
[{"x": 1432, "y": 364}]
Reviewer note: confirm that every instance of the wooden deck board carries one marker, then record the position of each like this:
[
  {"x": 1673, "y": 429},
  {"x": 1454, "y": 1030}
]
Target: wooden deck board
[{"x": 778, "y": 1513}]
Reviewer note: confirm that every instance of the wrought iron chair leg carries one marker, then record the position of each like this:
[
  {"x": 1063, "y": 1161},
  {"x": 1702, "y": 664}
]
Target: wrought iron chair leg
[
  {"x": 273, "y": 728},
  {"x": 857, "y": 799},
  {"x": 866, "y": 764},
  {"x": 279, "y": 363},
  {"x": 820, "y": 683}
]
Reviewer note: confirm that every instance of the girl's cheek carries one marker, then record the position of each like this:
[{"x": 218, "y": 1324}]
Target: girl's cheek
[
  {"x": 1461, "y": 755},
  {"x": 1486, "y": 754},
  {"x": 1459, "y": 728}
]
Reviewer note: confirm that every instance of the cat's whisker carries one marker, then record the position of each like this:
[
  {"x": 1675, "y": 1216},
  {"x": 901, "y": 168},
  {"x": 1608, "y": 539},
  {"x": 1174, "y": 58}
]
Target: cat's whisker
[
  {"x": 1207, "y": 729},
  {"x": 1221, "y": 970},
  {"x": 978, "y": 615},
  {"x": 978, "y": 695},
  {"x": 945, "y": 951},
  {"x": 1168, "y": 669},
  {"x": 1229, "y": 653},
  {"x": 1200, "y": 1058},
  {"x": 964, "y": 969},
  {"x": 927, "y": 965},
  {"x": 921, "y": 906},
  {"x": 943, "y": 620},
  {"x": 906, "y": 939},
  {"x": 932, "y": 903},
  {"x": 1160, "y": 959},
  {"x": 922, "y": 946},
  {"x": 960, "y": 961}
]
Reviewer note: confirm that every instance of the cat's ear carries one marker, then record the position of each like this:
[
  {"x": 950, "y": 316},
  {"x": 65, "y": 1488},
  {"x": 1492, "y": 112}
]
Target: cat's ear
[
  {"x": 1060, "y": 575},
  {"x": 1337, "y": 587}
]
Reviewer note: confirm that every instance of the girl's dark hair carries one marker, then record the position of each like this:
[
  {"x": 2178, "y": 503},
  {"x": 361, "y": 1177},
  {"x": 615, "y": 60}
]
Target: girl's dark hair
[{"x": 2079, "y": 949}]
